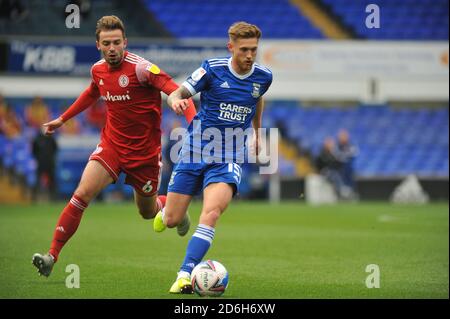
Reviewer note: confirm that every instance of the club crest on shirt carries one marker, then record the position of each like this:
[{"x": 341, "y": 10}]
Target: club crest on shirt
[
  {"x": 255, "y": 92},
  {"x": 123, "y": 80}
]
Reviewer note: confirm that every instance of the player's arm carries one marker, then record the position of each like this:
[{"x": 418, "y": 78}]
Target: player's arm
[
  {"x": 178, "y": 100},
  {"x": 86, "y": 99},
  {"x": 150, "y": 74},
  {"x": 187, "y": 107},
  {"x": 196, "y": 82},
  {"x": 257, "y": 124}
]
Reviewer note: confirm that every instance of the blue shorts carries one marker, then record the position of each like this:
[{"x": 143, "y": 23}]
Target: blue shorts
[{"x": 192, "y": 179}]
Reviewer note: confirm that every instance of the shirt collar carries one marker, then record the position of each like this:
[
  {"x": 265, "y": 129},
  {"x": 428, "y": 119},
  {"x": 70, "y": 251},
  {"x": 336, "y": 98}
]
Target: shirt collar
[{"x": 241, "y": 77}]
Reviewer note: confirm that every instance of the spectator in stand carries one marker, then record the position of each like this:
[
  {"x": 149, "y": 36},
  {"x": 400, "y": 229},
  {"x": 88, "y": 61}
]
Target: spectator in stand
[
  {"x": 45, "y": 149},
  {"x": 71, "y": 127},
  {"x": 329, "y": 164},
  {"x": 12, "y": 10},
  {"x": 37, "y": 113},
  {"x": 3, "y": 108},
  {"x": 10, "y": 125},
  {"x": 347, "y": 153}
]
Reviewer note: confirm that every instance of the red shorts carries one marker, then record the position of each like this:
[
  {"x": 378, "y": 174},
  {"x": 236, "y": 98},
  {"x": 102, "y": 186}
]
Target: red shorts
[{"x": 144, "y": 177}]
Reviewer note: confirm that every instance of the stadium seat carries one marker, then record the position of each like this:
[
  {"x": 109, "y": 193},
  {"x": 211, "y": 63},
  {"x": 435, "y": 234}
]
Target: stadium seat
[
  {"x": 278, "y": 19},
  {"x": 391, "y": 141},
  {"x": 400, "y": 20}
]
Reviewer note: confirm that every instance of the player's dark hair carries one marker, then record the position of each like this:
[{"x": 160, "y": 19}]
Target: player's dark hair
[
  {"x": 243, "y": 30},
  {"x": 107, "y": 23}
]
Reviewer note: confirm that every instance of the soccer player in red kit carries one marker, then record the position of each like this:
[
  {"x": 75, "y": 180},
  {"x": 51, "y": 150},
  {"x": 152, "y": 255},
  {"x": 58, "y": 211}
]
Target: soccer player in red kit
[{"x": 131, "y": 139}]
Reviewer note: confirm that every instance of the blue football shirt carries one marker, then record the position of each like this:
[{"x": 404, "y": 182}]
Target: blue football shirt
[{"x": 228, "y": 100}]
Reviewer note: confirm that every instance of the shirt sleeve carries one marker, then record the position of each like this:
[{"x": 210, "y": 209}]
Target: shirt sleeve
[
  {"x": 86, "y": 99},
  {"x": 150, "y": 74},
  {"x": 190, "y": 112},
  {"x": 269, "y": 82},
  {"x": 199, "y": 80}
]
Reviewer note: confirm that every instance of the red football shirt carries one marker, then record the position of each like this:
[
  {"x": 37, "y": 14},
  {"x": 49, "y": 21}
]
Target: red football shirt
[{"x": 132, "y": 92}]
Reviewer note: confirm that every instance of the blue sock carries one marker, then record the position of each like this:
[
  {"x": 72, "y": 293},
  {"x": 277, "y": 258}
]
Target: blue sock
[{"x": 197, "y": 247}]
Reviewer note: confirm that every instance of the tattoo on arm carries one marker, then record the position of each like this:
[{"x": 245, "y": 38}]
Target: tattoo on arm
[
  {"x": 184, "y": 92},
  {"x": 179, "y": 94}
]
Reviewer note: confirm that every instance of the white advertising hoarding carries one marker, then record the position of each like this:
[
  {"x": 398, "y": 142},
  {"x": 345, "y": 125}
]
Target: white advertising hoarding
[
  {"x": 347, "y": 58},
  {"x": 351, "y": 69}
]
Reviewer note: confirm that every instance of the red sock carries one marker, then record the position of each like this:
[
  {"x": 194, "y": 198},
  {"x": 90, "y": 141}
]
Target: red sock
[
  {"x": 67, "y": 224},
  {"x": 161, "y": 202}
]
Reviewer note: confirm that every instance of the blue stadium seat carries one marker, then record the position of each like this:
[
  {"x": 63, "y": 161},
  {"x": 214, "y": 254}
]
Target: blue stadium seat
[
  {"x": 400, "y": 20},
  {"x": 277, "y": 19},
  {"x": 391, "y": 141}
]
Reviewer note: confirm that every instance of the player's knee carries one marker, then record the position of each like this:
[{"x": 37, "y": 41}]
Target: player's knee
[
  {"x": 147, "y": 213},
  {"x": 211, "y": 216},
  {"x": 172, "y": 219},
  {"x": 84, "y": 194}
]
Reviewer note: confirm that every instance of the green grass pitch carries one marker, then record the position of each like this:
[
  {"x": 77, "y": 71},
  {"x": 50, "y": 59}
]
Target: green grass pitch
[{"x": 290, "y": 251}]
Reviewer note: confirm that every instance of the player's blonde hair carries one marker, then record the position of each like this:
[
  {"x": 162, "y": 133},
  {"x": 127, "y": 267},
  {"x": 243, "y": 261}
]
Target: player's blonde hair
[
  {"x": 107, "y": 23},
  {"x": 243, "y": 30}
]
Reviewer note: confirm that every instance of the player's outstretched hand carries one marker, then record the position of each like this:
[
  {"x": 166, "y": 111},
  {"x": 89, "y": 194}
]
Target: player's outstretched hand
[
  {"x": 50, "y": 127},
  {"x": 178, "y": 106}
]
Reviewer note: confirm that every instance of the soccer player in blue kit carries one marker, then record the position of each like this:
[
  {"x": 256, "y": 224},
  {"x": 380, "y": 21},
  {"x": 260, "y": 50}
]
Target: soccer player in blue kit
[{"x": 231, "y": 98}]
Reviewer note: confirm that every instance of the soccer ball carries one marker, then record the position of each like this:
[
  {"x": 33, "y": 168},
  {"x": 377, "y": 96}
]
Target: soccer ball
[{"x": 209, "y": 278}]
